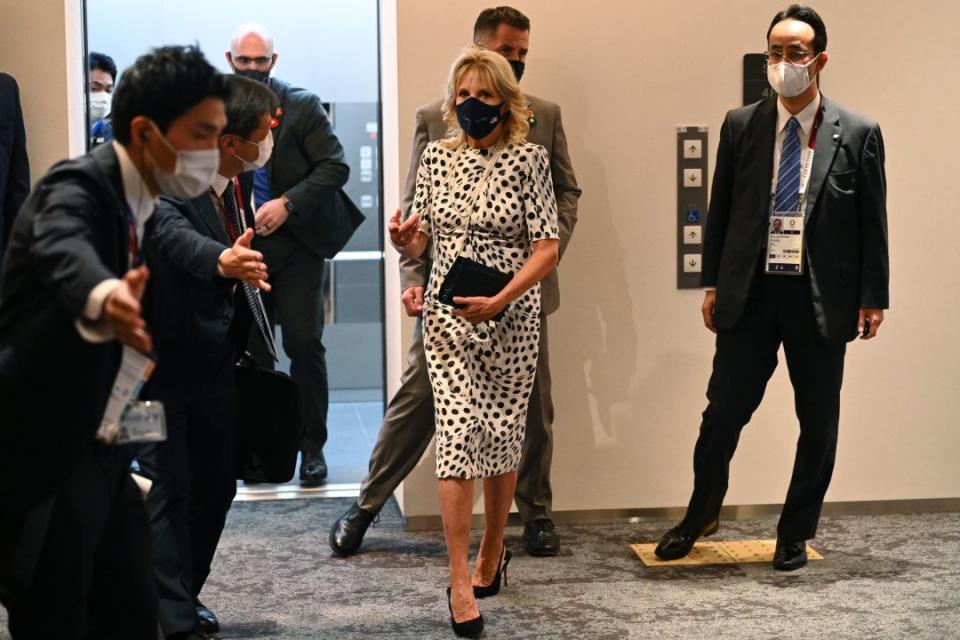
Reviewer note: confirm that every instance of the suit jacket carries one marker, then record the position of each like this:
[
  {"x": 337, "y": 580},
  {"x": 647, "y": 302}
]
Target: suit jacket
[
  {"x": 70, "y": 235},
  {"x": 548, "y": 132},
  {"x": 190, "y": 310},
  {"x": 845, "y": 237},
  {"x": 307, "y": 166},
  {"x": 14, "y": 168}
]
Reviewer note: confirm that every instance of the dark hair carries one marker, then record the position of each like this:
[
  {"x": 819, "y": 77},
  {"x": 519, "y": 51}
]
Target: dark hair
[
  {"x": 248, "y": 102},
  {"x": 163, "y": 85},
  {"x": 803, "y": 13},
  {"x": 103, "y": 62},
  {"x": 489, "y": 19}
]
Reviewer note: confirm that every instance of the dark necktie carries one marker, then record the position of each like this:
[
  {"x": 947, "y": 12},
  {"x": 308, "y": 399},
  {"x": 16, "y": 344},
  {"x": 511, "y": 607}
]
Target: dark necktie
[
  {"x": 251, "y": 293},
  {"x": 787, "y": 197}
]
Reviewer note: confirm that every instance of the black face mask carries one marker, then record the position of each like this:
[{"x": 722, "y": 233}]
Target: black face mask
[
  {"x": 254, "y": 74},
  {"x": 518, "y": 67},
  {"x": 478, "y": 119}
]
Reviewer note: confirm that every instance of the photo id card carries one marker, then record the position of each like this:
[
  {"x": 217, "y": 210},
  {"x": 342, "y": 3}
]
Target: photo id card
[
  {"x": 142, "y": 422},
  {"x": 784, "y": 244},
  {"x": 135, "y": 370}
]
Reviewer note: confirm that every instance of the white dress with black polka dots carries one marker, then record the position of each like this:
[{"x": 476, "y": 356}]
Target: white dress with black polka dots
[{"x": 482, "y": 375}]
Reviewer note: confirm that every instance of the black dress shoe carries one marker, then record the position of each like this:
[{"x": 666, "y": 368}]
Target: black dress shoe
[
  {"x": 678, "y": 542},
  {"x": 540, "y": 538},
  {"x": 313, "y": 468},
  {"x": 790, "y": 555},
  {"x": 346, "y": 534},
  {"x": 205, "y": 618}
]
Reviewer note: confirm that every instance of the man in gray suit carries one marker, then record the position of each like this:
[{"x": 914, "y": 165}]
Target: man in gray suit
[{"x": 409, "y": 423}]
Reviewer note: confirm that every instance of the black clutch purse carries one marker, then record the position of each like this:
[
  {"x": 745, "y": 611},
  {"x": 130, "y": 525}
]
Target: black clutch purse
[{"x": 471, "y": 279}]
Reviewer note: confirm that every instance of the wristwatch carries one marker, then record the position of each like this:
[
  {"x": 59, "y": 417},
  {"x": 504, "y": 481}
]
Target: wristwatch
[{"x": 288, "y": 205}]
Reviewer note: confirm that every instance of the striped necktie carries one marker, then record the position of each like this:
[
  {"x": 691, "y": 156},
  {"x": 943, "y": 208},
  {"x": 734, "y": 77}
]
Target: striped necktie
[
  {"x": 787, "y": 197},
  {"x": 251, "y": 293}
]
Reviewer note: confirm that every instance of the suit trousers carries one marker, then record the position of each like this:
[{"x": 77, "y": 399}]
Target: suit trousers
[
  {"x": 296, "y": 303},
  {"x": 194, "y": 483},
  {"x": 408, "y": 427},
  {"x": 92, "y": 575},
  {"x": 779, "y": 310}
]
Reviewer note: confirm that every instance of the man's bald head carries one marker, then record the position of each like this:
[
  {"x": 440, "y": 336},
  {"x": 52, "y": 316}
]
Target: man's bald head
[
  {"x": 251, "y": 49},
  {"x": 254, "y": 31}
]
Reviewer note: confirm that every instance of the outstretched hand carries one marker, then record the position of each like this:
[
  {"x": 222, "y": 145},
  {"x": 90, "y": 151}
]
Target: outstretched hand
[
  {"x": 243, "y": 263},
  {"x": 124, "y": 314}
]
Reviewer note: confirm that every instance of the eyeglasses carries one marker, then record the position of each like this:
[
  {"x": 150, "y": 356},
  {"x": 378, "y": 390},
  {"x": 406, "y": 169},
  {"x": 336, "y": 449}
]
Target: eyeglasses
[
  {"x": 796, "y": 56},
  {"x": 259, "y": 61}
]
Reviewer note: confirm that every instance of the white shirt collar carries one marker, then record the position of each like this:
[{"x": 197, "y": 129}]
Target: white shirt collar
[
  {"x": 219, "y": 184},
  {"x": 141, "y": 202},
  {"x": 805, "y": 117}
]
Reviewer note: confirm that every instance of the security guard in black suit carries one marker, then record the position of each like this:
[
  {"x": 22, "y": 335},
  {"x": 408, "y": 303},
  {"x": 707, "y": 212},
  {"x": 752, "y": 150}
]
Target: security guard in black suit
[
  {"x": 812, "y": 292},
  {"x": 302, "y": 218},
  {"x": 74, "y": 537},
  {"x": 200, "y": 308}
]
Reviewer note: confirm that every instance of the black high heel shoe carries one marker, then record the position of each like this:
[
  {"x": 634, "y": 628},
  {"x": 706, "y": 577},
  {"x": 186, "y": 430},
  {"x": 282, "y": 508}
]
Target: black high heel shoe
[
  {"x": 493, "y": 588},
  {"x": 467, "y": 628}
]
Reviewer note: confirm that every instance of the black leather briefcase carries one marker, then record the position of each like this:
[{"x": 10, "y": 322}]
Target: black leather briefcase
[{"x": 271, "y": 425}]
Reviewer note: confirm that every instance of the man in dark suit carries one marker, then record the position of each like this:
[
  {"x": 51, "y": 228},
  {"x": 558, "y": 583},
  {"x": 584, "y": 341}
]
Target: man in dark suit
[
  {"x": 199, "y": 314},
  {"x": 74, "y": 537},
  {"x": 102, "y": 72},
  {"x": 808, "y": 162},
  {"x": 408, "y": 425},
  {"x": 14, "y": 167},
  {"x": 302, "y": 218}
]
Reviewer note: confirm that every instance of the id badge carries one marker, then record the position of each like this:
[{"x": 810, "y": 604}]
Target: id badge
[
  {"x": 135, "y": 370},
  {"x": 784, "y": 244},
  {"x": 142, "y": 422}
]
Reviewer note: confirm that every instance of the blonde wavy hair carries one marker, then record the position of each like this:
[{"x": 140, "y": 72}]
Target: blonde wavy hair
[{"x": 495, "y": 72}]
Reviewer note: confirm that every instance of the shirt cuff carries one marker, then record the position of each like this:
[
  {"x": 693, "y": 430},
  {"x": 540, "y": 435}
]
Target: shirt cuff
[
  {"x": 92, "y": 326},
  {"x": 94, "y": 307},
  {"x": 219, "y": 259},
  {"x": 708, "y": 289}
]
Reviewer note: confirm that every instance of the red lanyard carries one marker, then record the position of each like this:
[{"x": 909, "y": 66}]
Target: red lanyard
[
  {"x": 812, "y": 143},
  {"x": 132, "y": 241}
]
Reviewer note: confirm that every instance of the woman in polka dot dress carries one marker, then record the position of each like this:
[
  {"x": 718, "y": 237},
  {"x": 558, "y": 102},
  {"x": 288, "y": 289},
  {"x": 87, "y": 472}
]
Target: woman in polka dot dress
[{"x": 485, "y": 194}]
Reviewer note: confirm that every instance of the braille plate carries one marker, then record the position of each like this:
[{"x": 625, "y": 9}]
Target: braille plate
[{"x": 732, "y": 552}]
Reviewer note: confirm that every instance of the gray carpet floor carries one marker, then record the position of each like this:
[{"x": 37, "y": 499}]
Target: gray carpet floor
[{"x": 887, "y": 577}]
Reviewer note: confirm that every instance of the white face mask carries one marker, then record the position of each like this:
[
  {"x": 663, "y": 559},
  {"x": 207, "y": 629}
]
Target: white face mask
[
  {"x": 193, "y": 173},
  {"x": 99, "y": 105},
  {"x": 264, "y": 149},
  {"x": 788, "y": 79}
]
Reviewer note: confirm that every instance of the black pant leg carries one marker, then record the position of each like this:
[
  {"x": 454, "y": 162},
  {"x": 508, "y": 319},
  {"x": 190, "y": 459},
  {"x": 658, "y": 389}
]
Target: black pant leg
[
  {"x": 167, "y": 465},
  {"x": 298, "y": 300},
  {"x": 211, "y": 447},
  {"x": 95, "y": 549},
  {"x": 816, "y": 372},
  {"x": 123, "y": 598},
  {"x": 745, "y": 358}
]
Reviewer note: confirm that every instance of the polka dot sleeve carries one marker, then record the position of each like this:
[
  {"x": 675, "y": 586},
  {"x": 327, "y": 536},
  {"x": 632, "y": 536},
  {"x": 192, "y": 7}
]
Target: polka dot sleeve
[
  {"x": 423, "y": 195},
  {"x": 539, "y": 201}
]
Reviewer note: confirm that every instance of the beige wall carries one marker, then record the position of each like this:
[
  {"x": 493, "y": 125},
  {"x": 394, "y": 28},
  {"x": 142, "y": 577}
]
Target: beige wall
[
  {"x": 630, "y": 357},
  {"x": 40, "y": 46}
]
